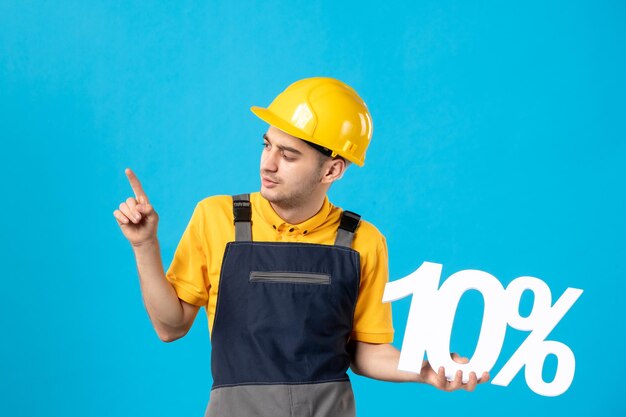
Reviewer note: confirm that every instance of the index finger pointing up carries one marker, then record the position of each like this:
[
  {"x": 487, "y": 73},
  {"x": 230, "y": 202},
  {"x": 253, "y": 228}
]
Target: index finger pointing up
[{"x": 140, "y": 194}]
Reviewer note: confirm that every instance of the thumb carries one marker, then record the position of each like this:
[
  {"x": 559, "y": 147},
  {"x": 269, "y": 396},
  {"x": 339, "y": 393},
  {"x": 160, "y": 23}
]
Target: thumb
[{"x": 144, "y": 208}]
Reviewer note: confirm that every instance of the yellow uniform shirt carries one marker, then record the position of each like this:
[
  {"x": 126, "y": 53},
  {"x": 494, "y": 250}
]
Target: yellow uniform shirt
[{"x": 195, "y": 269}]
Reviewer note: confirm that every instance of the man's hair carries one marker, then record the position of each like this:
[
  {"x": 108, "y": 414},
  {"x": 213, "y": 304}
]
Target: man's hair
[
  {"x": 324, "y": 154},
  {"x": 321, "y": 159}
]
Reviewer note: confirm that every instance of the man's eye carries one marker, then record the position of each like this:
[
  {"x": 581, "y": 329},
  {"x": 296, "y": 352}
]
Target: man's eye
[{"x": 266, "y": 145}]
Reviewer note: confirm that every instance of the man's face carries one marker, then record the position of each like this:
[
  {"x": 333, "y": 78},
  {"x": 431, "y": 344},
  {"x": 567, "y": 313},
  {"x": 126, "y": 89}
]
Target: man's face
[{"x": 290, "y": 169}]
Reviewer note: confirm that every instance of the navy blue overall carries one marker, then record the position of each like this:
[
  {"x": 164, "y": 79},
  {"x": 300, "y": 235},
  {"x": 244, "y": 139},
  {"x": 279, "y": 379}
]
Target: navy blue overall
[{"x": 282, "y": 322}]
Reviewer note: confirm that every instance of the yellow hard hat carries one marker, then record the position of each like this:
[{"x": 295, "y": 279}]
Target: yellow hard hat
[{"x": 324, "y": 111}]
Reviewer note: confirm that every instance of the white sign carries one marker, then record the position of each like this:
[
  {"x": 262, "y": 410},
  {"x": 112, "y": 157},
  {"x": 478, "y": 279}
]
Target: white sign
[{"x": 431, "y": 315}]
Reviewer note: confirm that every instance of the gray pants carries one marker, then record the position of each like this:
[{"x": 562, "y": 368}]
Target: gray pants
[{"x": 328, "y": 399}]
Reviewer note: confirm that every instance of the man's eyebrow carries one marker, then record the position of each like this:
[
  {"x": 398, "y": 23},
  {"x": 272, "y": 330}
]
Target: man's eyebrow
[{"x": 282, "y": 147}]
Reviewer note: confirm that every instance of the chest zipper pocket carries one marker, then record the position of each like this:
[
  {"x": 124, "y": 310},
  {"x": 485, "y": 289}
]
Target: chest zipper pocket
[{"x": 290, "y": 277}]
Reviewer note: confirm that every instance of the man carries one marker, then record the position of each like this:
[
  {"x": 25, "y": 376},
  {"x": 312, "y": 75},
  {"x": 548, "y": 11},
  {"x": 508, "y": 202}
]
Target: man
[{"x": 300, "y": 281}]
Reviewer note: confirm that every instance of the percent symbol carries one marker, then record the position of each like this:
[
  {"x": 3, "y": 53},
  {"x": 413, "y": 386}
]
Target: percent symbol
[
  {"x": 533, "y": 351},
  {"x": 431, "y": 317}
]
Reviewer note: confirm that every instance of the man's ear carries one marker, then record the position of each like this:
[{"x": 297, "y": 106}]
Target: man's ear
[{"x": 334, "y": 170}]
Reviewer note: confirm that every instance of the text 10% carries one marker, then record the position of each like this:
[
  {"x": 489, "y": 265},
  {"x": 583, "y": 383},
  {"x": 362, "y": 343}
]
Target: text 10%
[{"x": 431, "y": 316}]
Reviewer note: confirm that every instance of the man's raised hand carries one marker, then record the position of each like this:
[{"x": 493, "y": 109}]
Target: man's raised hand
[{"x": 136, "y": 216}]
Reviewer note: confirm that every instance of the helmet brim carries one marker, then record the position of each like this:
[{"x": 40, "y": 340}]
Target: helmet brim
[{"x": 270, "y": 118}]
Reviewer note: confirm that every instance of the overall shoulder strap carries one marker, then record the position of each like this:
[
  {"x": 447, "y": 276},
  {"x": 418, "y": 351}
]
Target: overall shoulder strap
[
  {"x": 347, "y": 226},
  {"x": 242, "y": 213}
]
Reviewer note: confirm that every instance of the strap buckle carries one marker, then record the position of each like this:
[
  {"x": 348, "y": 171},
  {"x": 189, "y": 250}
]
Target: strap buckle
[
  {"x": 349, "y": 221},
  {"x": 242, "y": 211}
]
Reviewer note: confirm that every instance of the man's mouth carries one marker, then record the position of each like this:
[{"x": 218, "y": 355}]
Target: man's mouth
[{"x": 268, "y": 182}]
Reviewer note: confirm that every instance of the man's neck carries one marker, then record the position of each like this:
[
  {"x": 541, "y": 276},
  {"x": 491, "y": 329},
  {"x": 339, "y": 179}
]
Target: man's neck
[{"x": 296, "y": 215}]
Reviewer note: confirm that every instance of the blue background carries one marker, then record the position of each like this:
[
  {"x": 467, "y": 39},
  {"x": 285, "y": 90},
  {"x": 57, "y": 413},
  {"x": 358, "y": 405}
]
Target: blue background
[{"x": 498, "y": 145}]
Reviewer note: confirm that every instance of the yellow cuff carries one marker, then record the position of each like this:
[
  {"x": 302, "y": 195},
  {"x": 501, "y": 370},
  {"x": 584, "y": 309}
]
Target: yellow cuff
[
  {"x": 188, "y": 296},
  {"x": 372, "y": 337}
]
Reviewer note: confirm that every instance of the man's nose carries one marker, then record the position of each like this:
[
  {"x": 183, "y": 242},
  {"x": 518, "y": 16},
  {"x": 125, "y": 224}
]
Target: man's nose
[{"x": 269, "y": 161}]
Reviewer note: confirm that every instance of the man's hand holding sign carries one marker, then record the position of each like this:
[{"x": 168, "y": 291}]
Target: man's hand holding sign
[{"x": 380, "y": 361}]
